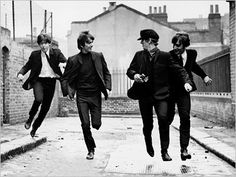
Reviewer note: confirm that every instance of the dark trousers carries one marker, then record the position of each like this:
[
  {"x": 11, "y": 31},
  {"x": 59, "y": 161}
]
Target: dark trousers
[
  {"x": 43, "y": 90},
  {"x": 92, "y": 105},
  {"x": 146, "y": 110},
  {"x": 184, "y": 105}
]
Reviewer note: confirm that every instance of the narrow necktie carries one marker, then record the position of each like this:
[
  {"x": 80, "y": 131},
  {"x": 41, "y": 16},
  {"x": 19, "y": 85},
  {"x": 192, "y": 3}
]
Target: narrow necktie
[
  {"x": 47, "y": 57},
  {"x": 181, "y": 60}
]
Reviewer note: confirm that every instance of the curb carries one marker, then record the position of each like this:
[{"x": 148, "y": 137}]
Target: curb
[
  {"x": 19, "y": 146},
  {"x": 211, "y": 149}
]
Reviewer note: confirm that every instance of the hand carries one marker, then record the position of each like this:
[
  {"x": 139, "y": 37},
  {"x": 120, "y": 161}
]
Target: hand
[
  {"x": 207, "y": 80},
  {"x": 108, "y": 92},
  {"x": 20, "y": 77},
  {"x": 70, "y": 98},
  {"x": 188, "y": 87},
  {"x": 138, "y": 78}
]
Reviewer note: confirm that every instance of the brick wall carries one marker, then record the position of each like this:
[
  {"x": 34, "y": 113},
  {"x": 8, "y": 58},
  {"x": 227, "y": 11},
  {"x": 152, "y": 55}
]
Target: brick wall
[
  {"x": 114, "y": 105},
  {"x": 214, "y": 107},
  {"x": 4, "y": 44},
  {"x": 18, "y": 101},
  {"x": 232, "y": 53},
  {"x": 1, "y": 87}
]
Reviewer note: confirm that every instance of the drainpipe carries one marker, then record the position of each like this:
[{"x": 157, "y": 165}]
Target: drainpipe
[{"x": 5, "y": 55}]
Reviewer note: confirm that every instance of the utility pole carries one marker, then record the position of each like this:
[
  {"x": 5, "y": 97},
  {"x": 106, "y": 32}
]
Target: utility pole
[
  {"x": 31, "y": 24},
  {"x": 13, "y": 19},
  {"x": 45, "y": 21},
  {"x": 51, "y": 25}
]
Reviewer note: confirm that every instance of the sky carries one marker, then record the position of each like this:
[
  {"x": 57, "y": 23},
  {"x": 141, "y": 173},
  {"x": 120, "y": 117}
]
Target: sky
[{"x": 64, "y": 12}]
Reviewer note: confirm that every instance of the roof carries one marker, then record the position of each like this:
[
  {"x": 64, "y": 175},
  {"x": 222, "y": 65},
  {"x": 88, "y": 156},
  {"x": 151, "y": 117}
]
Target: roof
[{"x": 130, "y": 9}]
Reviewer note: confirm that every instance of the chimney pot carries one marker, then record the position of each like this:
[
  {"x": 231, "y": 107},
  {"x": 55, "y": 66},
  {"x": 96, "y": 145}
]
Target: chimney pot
[
  {"x": 112, "y": 6},
  {"x": 216, "y": 8},
  {"x": 159, "y": 9},
  {"x": 164, "y": 9},
  {"x": 155, "y": 10},
  {"x": 150, "y": 9},
  {"x": 112, "y": 3},
  {"x": 211, "y": 9}
]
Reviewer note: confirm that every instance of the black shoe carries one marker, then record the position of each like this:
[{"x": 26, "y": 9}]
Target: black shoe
[
  {"x": 165, "y": 156},
  {"x": 32, "y": 133},
  {"x": 185, "y": 155},
  {"x": 28, "y": 124},
  {"x": 149, "y": 147},
  {"x": 90, "y": 155},
  {"x": 150, "y": 150}
]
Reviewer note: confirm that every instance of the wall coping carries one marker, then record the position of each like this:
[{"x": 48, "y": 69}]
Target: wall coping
[{"x": 212, "y": 94}]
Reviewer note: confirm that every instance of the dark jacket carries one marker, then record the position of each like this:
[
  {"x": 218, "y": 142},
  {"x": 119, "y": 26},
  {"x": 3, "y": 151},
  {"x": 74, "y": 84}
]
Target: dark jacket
[
  {"x": 70, "y": 74},
  {"x": 162, "y": 65},
  {"x": 190, "y": 66},
  {"x": 35, "y": 64}
]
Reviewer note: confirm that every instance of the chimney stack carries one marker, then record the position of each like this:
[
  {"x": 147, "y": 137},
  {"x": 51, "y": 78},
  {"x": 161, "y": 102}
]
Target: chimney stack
[
  {"x": 214, "y": 22},
  {"x": 160, "y": 16},
  {"x": 104, "y": 9},
  {"x": 112, "y": 5}
]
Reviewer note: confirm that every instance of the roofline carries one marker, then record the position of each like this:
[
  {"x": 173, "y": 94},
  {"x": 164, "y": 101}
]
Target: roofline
[
  {"x": 182, "y": 22},
  {"x": 129, "y": 8}
]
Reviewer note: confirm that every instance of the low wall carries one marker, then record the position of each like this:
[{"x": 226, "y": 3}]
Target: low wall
[
  {"x": 214, "y": 107},
  {"x": 114, "y": 105}
]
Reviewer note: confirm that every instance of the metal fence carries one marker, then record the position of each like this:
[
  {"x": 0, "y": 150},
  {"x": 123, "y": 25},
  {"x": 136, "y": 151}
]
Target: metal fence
[{"x": 120, "y": 83}]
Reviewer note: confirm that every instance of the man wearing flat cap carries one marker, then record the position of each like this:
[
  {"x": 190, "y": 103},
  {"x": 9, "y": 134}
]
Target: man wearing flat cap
[{"x": 150, "y": 69}]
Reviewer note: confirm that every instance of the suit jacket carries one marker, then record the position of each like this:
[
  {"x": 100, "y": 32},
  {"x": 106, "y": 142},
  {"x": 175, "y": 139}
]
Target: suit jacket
[
  {"x": 162, "y": 65},
  {"x": 35, "y": 65},
  {"x": 190, "y": 66},
  {"x": 70, "y": 74}
]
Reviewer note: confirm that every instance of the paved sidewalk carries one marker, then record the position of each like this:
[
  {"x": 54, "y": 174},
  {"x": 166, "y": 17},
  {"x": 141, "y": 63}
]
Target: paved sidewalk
[{"x": 218, "y": 140}]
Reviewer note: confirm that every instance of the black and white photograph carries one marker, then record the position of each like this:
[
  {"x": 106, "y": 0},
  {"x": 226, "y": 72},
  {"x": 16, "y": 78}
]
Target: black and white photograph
[{"x": 102, "y": 88}]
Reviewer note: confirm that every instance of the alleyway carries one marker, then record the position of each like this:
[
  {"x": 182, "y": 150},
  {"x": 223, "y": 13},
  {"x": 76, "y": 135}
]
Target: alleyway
[{"x": 120, "y": 152}]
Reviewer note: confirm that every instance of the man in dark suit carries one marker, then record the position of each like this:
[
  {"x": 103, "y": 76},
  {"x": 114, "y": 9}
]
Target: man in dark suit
[
  {"x": 179, "y": 96},
  {"x": 86, "y": 73},
  {"x": 150, "y": 67},
  {"x": 44, "y": 66}
]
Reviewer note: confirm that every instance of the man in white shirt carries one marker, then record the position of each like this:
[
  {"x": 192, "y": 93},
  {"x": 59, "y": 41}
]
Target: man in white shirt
[
  {"x": 178, "y": 94},
  {"x": 44, "y": 66}
]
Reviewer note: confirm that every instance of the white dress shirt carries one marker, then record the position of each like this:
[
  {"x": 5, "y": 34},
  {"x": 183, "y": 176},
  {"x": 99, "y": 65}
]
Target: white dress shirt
[
  {"x": 184, "y": 56},
  {"x": 46, "y": 70}
]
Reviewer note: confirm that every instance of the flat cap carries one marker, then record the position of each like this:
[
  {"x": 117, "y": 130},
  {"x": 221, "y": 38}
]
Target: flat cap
[{"x": 148, "y": 33}]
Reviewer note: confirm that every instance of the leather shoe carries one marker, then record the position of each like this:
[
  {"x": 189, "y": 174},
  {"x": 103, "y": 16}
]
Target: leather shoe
[
  {"x": 149, "y": 147},
  {"x": 165, "y": 156},
  {"x": 32, "y": 133},
  {"x": 185, "y": 155},
  {"x": 90, "y": 155},
  {"x": 28, "y": 124},
  {"x": 150, "y": 151}
]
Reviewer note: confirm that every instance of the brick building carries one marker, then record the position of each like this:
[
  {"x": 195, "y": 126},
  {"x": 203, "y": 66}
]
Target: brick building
[{"x": 232, "y": 32}]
